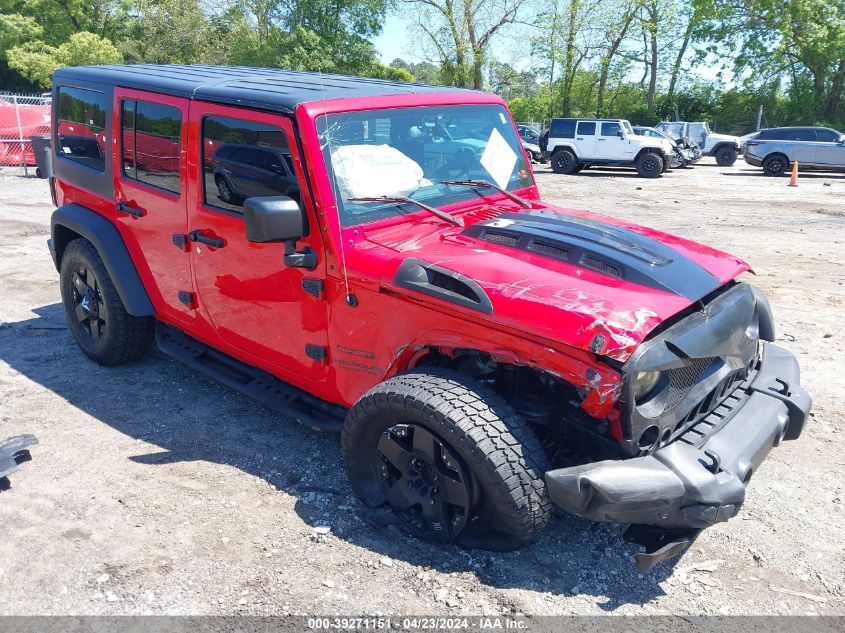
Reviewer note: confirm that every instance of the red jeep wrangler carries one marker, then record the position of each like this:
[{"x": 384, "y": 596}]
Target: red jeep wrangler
[{"x": 374, "y": 258}]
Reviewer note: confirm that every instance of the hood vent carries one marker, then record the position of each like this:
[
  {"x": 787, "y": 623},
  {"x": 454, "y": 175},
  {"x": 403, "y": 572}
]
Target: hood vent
[
  {"x": 607, "y": 249},
  {"x": 602, "y": 267}
]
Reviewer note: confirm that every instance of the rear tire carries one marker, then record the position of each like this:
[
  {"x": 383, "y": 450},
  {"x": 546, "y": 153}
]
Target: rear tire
[
  {"x": 649, "y": 165},
  {"x": 564, "y": 162},
  {"x": 102, "y": 327},
  {"x": 775, "y": 165},
  {"x": 495, "y": 497},
  {"x": 726, "y": 156}
]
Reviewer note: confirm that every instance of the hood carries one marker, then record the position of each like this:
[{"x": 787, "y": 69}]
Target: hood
[
  {"x": 577, "y": 278},
  {"x": 716, "y": 138}
]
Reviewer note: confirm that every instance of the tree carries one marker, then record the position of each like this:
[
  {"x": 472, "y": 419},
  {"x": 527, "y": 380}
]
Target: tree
[
  {"x": 789, "y": 39},
  {"x": 38, "y": 61},
  {"x": 460, "y": 31}
]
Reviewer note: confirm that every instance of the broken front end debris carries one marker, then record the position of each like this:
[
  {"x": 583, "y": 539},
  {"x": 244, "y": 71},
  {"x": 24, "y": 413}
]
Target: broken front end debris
[{"x": 14, "y": 452}]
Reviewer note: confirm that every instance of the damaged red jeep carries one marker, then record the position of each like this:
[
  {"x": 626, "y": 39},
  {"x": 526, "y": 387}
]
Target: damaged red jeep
[{"x": 374, "y": 258}]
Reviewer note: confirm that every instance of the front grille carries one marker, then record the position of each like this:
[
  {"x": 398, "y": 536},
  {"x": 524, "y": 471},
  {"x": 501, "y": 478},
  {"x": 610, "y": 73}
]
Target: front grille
[{"x": 681, "y": 380}]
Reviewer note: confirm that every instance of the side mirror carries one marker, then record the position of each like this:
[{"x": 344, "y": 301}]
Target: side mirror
[
  {"x": 620, "y": 134},
  {"x": 275, "y": 219}
]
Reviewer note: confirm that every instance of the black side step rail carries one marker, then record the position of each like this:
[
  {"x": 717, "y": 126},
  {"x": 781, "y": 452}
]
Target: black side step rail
[{"x": 273, "y": 393}]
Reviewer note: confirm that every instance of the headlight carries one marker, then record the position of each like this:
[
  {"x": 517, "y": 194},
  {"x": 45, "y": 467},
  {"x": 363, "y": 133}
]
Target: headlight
[{"x": 645, "y": 382}]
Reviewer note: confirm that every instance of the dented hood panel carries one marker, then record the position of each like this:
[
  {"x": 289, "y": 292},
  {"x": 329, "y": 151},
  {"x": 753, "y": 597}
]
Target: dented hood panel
[{"x": 562, "y": 301}]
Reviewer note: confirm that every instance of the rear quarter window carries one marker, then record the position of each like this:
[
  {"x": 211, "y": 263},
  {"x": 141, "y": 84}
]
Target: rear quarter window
[
  {"x": 81, "y": 126},
  {"x": 561, "y": 128}
]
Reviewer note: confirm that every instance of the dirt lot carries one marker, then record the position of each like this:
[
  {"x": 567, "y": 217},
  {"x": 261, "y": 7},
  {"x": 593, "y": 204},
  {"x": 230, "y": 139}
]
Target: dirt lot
[{"x": 156, "y": 491}]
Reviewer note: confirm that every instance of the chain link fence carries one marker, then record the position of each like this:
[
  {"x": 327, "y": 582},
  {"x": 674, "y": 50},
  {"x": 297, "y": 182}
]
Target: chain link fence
[{"x": 21, "y": 116}]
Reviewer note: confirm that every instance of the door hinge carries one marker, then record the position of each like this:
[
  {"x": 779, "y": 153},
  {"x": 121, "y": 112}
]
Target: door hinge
[
  {"x": 316, "y": 352},
  {"x": 180, "y": 241},
  {"x": 188, "y": 298},
  {"x": 313, "y": 287}
]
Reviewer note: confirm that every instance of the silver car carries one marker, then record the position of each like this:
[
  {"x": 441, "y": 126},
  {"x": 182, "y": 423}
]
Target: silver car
[{"x": 776, "y": 149}]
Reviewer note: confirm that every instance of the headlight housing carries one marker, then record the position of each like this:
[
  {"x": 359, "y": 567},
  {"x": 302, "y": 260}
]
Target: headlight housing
[{"x": 645, "y": 382}]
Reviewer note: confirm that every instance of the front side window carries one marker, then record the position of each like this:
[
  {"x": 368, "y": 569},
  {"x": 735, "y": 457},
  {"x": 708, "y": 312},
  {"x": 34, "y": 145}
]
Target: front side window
[
  {"x": 610, "y": 128},
  {"x": 586, "y": 128},
  {"x": 152, "y": 139},
  {"x": 81, "y": 126},
  {"x": 242, "y": 159},
  {"x": 409, "y": 152}
]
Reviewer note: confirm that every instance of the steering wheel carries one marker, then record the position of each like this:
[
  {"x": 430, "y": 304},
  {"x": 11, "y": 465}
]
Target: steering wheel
[{"x": 463, "y": 162}]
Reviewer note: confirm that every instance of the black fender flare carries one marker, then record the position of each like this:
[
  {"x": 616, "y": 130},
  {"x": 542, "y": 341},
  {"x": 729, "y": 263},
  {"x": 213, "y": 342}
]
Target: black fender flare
[
  {"x": 650, "y": 150},
  {"x": 73, "y": 220},
  {"x": 571, "y": 148}
]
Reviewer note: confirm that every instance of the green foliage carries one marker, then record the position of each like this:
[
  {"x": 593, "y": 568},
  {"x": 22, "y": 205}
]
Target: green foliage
[{"x": 38, "y": 61}]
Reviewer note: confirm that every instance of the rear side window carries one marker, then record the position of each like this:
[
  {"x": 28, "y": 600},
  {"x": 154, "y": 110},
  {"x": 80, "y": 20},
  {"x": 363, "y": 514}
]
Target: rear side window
[
  {"x": 610, "y": 128},
  {"x": 152, "y": 139},
  {"x": 242, "y": 159},
  {"x": 562, "y": 128},
  {"x": 801, "y": 134},
  {"x": 587, "y": 128},
  {"x": 81, "y": 126}
]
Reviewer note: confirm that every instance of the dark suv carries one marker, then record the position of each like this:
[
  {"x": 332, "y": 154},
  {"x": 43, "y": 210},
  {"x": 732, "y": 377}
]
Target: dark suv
[
  {"x": 486, "y": 355},
  {"x": 243, "y": 171}
]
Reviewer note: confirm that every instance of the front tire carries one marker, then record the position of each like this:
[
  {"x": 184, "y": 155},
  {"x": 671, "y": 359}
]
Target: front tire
[
  {"x": 726, "y": 156},
  {"x": 564, "y": 162},
  {"x": 649, "y": 165},
  {"x": 102, "y": 327},
  {"x": 450, "y": 457}
]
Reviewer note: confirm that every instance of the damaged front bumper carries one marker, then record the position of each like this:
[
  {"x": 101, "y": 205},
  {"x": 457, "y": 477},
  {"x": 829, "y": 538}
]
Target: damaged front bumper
[{"x": 700, "y": 478}]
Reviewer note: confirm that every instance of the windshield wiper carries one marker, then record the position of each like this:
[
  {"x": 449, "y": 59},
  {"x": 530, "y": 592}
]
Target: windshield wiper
[
  {"x": 485, "y": 184},
  {"x": 440, "y": 214}
]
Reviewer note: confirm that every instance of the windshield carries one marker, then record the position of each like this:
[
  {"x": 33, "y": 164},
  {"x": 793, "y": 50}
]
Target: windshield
[
  {"x": 627, "y": 127},
  {"x": 406, "y": 152},
  {"x": 674, "y": 130}
]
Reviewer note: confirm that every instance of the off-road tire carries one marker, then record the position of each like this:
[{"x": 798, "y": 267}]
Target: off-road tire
[
  {"x": 123, "y": 337},
  {"x": 775, "y": 165},
  {"x": 649, "y": 165},
  {"x": 564, "y": 162},
  {"x": 726, "y": 156},
  {"x": 491, "y": 440}
]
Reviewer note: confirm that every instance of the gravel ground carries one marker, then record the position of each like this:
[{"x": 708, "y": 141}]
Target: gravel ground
[{"x": 156, "y": 491}]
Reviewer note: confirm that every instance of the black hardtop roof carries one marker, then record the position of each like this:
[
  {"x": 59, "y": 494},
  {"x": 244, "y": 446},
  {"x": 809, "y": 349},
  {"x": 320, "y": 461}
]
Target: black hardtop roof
[
  {"x": 585, "y": 118},
  {"x": 264, "y": 88}
]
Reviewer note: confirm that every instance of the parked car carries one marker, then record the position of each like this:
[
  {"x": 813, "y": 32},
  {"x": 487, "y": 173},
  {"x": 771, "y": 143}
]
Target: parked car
[
  {"x": 723, "y": 147},
  {"x": 776, "y": 149},
  {"x": 574, "y": 144},
  {"x": 243, "y": 171},
  {"x": 686, "y": 152},
  {"x": 485, "y": 354},
  {"x": 531, "y": 142}
]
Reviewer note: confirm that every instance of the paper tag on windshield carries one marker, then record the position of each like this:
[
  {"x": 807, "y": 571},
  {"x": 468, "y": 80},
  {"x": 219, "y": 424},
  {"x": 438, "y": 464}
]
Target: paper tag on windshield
[{"x": 498, "y": 159}]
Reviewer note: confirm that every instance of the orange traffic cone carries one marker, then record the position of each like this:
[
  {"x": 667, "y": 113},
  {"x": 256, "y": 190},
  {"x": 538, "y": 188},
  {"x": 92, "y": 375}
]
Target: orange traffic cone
[{"x": 793, "y": 181}]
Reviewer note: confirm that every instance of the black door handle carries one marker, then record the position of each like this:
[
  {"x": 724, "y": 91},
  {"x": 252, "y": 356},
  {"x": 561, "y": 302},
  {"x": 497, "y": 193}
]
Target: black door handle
[
  {"x": 197, "y": 236},
  {"x": 123, "y": 207}
]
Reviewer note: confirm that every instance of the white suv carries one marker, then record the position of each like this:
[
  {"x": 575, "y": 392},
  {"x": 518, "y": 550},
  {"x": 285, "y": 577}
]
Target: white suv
[
  {"x": 723, "y": 147},
  {"x": 578, "y": 143}
]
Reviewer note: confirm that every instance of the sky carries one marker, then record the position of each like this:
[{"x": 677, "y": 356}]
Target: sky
[{"x": 395, "y": 41}]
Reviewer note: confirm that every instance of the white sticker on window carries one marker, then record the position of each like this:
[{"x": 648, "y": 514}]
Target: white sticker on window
[{"x": 498, "y": 159}]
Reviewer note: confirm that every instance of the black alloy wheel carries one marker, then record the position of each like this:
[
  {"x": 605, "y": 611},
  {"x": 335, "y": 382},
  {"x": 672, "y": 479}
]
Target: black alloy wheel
[
  {"x": 424, "y": 482},
  {"x": 89, "y": 308}
]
